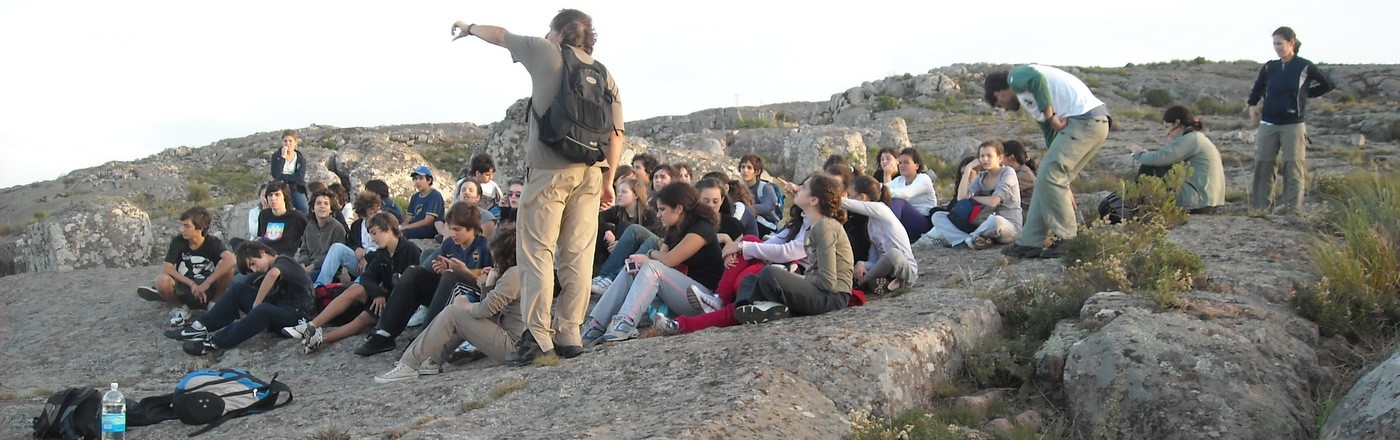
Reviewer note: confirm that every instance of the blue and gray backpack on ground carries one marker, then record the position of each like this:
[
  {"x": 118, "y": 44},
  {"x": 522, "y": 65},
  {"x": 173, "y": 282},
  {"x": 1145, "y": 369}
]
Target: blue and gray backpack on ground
[{"x": 214, "y": 396}]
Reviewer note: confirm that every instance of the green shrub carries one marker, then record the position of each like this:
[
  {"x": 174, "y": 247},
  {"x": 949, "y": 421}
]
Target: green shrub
[
  {"x": 886, "y": 103},
  {"x": 40, "y": 215},
  {"x": 1210, "y": 105},
  {"x": 948, "y": 104},
  {"x": 1143, "y": 114},
  {"x": 1158, "y": 97},
  {"x": 757, "y": 123},
  {"x": 1000, "y": 363},
  {"x": 1358, "y": 265},
  {"x": 197, "y": 193},
  {"x": 234, "y": 181}
]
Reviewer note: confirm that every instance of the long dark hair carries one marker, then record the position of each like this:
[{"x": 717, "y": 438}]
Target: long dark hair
[
  {"x": 828, "y": 192},
  {"x": 726, "y": 208},
  {"x": 1181, "y": 114},
  {"x": 1289, "y": 36},
  {"x": 503, "y": 247},
  {"x": 1017, "y": 150},
  {"x": 683, "y": 195},
  {"x": 871, "y": 188}
]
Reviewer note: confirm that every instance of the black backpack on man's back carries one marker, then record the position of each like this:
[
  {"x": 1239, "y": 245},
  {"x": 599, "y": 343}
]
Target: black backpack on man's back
[{"x": 579, "y": 123}]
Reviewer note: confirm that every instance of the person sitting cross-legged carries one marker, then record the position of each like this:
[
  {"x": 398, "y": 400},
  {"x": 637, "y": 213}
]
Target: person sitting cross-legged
[{"x": 281, "y": 298}]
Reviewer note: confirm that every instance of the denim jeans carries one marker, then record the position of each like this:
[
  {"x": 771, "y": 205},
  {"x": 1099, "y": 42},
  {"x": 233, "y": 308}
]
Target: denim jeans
[
  {"x": 299, "y": 201},
  {"x": 631, "y": 294},
  {"x": 338, "y": 256},
  {"x": 239, "y": 299},
  {"x": 635, "y": 240}
]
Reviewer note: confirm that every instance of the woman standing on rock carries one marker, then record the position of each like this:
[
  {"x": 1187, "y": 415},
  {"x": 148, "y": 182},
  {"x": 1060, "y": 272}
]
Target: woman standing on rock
[
  {"x": 288, "y": 165},
  {"x": 1284, "y": 85}
]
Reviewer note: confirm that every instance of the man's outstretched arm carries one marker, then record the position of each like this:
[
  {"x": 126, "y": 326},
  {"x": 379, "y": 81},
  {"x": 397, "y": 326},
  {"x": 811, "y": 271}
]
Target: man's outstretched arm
[{"x": 491, "y": 34}]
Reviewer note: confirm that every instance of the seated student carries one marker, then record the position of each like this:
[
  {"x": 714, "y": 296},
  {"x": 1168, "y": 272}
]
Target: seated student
[
  {"x": 913, "y": 183},
  {"x": 491, "y": 326},
  {"x": 776, "y": 292},
  {"x": 886, "y": 165},
  {"x": 995, "y": 186},
  {"x": 353, "y": 253},
  {"x": 661, "y": 175},
  {"x": 891, "y": 262},
  {"x": 457, "y": 267},
  {"x": 483, "y": 169},
  {"x": 712, "y": 194},
  {"x": 765, "y": 194},
  {"x": 1204, "y": 189},
  {"x": 690, "y": 241},
  {"x": 322, "y": 232},
  {"x": 386, "y": 202},
  {"x": 1018, "y": 160},
  {"x": 742, "y": 200},
  {"x": 425, "y": 207},
  {"x": 282, "y": 298},
  {"x": 639, "y": 235},
  {"x": 343, "y": 209},
  {"x": 278, "y": 227},
  {"x": 381, "y": 273},
  {"x": 469, "y": 191},
  {"x": 511, "y": 204},
  {"x": 629, "y": 208},
  {"x": 315, "y": 187},
  {"x": 643, "y": 164},
  {"x": 683, "y": 173},
  {"x": 256, "y": 210},
  {"x": 197, "y": 269},
  {"x": 856, "y": 225}
]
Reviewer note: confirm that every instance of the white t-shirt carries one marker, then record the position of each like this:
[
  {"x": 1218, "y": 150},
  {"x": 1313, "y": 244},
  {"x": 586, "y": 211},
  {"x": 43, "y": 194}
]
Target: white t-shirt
[{"x": 918, "y": 193}]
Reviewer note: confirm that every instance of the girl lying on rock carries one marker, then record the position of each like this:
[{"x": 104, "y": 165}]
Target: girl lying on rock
[
  {"x": 491, "y": 326},
  {"x": 282, "y": 297}
]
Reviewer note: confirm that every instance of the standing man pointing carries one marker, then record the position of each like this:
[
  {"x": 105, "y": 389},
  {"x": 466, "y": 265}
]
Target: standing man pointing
[{"x": 557, "y": 223}]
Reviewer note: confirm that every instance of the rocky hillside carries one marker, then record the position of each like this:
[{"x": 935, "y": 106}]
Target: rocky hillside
[{"x": 1236, "y": 363}]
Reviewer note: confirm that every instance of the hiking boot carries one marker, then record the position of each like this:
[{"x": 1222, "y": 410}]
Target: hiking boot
[
  {"x": 199, "y": 347},
  {"x": 1052, "y": 252},
  {"x": 1018, "y": 251},
  {"x": 525, "y": 351},
  {"x": 312, "y": 338},
  {"x": 593, "y": 335},
  {"x": 149, "y": 294},
  {"x": 760, "y": 311},
  {"x": 418, "y": 317},
  {"x": 178, "y": 316},
  {"x": 429, "y": 367},
  {"x": 187, "y": 333},
  {"x": 400, "y": 372},
  {"x": 981, "y": 242},
  {"x": 620, "y": 329},
  {"x": 667, "y": 326},
  {"x": 600, "y": 285},
  {"x": 375, "y": 344},
  {"x": 568, "y": 351}
]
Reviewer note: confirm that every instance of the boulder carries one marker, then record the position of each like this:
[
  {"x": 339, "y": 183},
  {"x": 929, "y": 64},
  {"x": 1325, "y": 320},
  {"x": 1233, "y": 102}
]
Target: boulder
[
  {"x": 505, "y": 143},
  {"x": 885, "y": 132},
  {"x": 1371, "y": 409},
  {"x": 102, "y": 232},
  {"x": 1226, "y": 367},
  {"x": 794, "y": 153}
]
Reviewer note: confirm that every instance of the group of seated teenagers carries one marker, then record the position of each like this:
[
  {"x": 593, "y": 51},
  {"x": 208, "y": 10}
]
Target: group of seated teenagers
[{"x": 677, "y": 256}]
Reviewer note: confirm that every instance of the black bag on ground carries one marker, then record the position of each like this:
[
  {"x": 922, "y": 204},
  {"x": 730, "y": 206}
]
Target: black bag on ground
[
  {"x": 1115, "y": 209},
  {"x": 76, "y": 413},
  {"x": 579, "y": 123}
]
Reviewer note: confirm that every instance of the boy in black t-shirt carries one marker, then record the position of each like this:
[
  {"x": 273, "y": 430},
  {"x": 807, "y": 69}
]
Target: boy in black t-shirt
[
  {"x": 278, "y": 227},
  {"x": 281, "y": 298},
  {"x": 197, "y": 268}
]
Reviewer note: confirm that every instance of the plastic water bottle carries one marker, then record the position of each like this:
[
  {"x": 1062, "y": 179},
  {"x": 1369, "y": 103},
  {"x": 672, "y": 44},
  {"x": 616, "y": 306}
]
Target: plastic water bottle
[{"x": 113, "y": 414}]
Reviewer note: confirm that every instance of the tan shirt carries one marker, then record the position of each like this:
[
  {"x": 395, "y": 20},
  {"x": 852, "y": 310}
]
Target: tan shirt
[{"x": 541, "y": 58}]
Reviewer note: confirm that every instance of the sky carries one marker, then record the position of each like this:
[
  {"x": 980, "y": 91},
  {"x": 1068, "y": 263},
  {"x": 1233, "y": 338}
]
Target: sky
[{"x": 87, "y": 82}]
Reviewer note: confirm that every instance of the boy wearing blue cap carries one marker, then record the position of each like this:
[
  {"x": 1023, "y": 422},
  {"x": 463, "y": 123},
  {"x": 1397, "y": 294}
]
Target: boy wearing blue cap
[{"x": 425, "y": 207}]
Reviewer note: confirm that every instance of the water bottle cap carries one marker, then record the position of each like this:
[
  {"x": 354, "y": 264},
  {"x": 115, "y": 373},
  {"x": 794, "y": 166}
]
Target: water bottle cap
[{"x": 114, "y": 385}]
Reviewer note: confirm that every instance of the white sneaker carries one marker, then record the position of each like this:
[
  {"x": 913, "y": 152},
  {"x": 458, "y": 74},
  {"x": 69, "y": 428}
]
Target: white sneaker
[
  {"x": 312, "y": 339},
  {"x": 667, "y": 326},
  {"x": 761, "y": 311},
  {"x": 418, "y": 317},
  {"x": 178, "y": 316},
  {"x": 600, "y": 285},
  {"x": 709, "y": 302},
  {"x": 297, "y": 331},
  {"x": 429, "y": 367},
  {"x": 400, "y": 372}
]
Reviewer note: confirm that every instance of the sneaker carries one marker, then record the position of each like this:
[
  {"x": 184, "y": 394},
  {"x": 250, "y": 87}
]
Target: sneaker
[
  {"x": 429, "y": 367},
  {"x": 667, "y": 326},
  {"x": 465, "y": 352},
  {"x": 879, "y": 287},
  {"x": 1052, "y": 252},
  {"x": 199, "y": 347},
  {"x": 1019, "y": 251},
  {"x": 297, "y": 331},
  {"x": 568, "y": 351},
  {"x": 187, "y": 333},
  {"x": 707, "y": 302},
  {"x": 935, "y": 242},
  {"x": 375, "y": 344},
  {"x": 311, "y": 339},
  {"x": 760, "y": 311},
  {"x": 600, "y": 285},
  {"x": 149, "y": 293},
  {"x": 622, "y": 329},
  {"x": 592, "y": 336},
  {"x": 178, "y": 316},
  {"x": 526, "y": 351},
  {"x": 981, "y": 242},
  {"x": 400, "y": 372},
  {"x": 418, "y": 317}
]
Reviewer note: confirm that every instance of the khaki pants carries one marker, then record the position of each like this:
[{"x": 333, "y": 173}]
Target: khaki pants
[
  {"x": 1051, "y": 213},
  {"x": 449, "y": 328},
  {"x": 1291, "y": 140},
  {"x": 557, "y": 226}
]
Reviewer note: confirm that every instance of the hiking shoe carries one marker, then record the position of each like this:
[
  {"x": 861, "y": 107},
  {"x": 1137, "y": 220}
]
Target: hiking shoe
[
  {"x": 178, "y": 316},
  {"x": 1018, "y": 251},
  {"x": 526, "y": 351},
  {"x": 600, "y": 285},
  {"x": 466, "y": 351},
  {"x": 935, "y": 242},
  {"x": 667, "y": 326},
  {"x": 187, "y": 333},
  {"x": 568, "y": 351},
  {"x": 199, "y": 348},
  {"x": 1054, "y": 251},
  {"x": 703, "y": 301},
  {"x": 297, "y": 331},
  {"x": 981, "y": 242},
  {"x": 592, "y": 336},
  {"x": 418, "y": 317},
  {"x": 880, "y": 287},
  {"x": 311, "y": 339},
  {"x": 620, "y": 329},
  {"x": 429, "y": 367},
  {"x": 149, "y": 294},
  {"x": 760, "y": 311},
  {"x": 400, "y": 372},
  {"x": 375, "y": 344}
]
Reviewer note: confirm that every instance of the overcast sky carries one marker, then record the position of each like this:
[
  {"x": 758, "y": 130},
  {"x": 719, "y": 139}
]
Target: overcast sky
[{"x": 86, "y": 82}]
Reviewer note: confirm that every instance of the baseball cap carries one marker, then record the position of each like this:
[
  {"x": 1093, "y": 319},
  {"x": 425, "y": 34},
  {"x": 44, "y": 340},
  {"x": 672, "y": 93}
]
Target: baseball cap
[{"x": 421, "y": 171}]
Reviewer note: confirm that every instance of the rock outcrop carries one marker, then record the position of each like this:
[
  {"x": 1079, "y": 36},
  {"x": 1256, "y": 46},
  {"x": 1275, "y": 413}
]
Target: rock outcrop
[
  {"x": 1371, "y": 409},
  {"x": 96, "y": 233}
]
